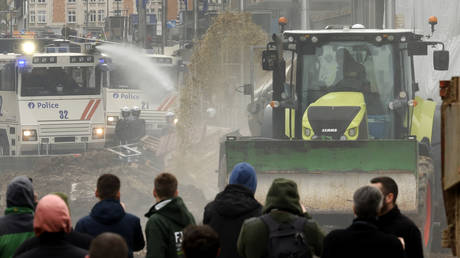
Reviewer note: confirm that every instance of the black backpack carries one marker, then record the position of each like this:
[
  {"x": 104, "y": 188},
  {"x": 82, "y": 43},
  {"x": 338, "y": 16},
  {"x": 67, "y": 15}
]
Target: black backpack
[{"x": 286, "y": 240}]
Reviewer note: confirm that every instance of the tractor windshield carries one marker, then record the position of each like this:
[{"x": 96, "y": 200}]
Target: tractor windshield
[{"x": 357, "y": 67}]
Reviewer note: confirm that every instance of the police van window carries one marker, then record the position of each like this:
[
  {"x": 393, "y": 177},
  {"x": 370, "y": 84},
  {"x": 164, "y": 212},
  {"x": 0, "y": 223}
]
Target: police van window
[
  {"x": 57, "y": 81},
  {"x": 7, "y": 77},
  {"x": 122, "y": 78}
]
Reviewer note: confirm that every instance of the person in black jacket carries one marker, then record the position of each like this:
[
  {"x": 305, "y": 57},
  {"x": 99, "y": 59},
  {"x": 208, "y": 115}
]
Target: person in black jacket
[
  {"x": 363, "y": 239},
  {"x": 51, "y": 223},
  {"x": 74, "y": 238},
  {"x": 232, "y": 206},
  {"x": 108, "y": 215},
  {"x": 392, "y": 221}
]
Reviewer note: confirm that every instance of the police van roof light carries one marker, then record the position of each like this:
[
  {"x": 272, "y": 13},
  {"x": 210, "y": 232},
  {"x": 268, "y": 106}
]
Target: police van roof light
[
  {"x": 101, "y": 60},
  {"x": 22, "y": 63}
]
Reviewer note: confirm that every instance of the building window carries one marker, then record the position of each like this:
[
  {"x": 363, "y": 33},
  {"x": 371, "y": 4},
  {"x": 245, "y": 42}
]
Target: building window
[
  {"x": 32, "y": 17},
  {"x": 92, "y": 16},
  {"x": 41, "y": 17},
  {"x": 100, "y": 15},
  {"x": 71, "y": 16},
  {"x": 71, "y": 1},
  {"x": 117, "y": 12},
  {"x": 40, "y": 1}
]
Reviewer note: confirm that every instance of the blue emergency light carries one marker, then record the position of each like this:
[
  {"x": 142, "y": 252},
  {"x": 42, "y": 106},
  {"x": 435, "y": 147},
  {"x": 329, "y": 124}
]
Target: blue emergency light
[
  {"x": 101, "y": 60},
  {"x": 21, "y": 63}
]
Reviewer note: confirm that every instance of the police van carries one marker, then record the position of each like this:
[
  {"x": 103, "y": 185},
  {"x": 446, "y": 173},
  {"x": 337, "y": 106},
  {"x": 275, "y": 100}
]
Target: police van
[
  {"x": 51, "y": 103},
  {"x": 122, "y": 90}
]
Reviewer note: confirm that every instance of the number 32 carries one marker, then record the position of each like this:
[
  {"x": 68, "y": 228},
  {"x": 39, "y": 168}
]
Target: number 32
[{"x": 63, "y": 114}]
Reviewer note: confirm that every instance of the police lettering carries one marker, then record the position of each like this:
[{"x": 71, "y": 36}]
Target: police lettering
[
  {"x": 129, "y": 96},
  {"x": 47, "y": 104}
]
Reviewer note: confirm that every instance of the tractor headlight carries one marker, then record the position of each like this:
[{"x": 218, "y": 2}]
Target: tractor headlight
[
  {"x": 307, "y": 132},
  {"x": 352, "y": 132},
  {"x": 112, "y": 120},
  {"x": 98, "y": 133},
  {"x": 29, "y": 135}
]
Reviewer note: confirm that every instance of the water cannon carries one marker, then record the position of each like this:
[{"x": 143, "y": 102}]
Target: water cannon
[
  {"x": 432, "y": 20},
  {"x": 282, "y": 21}
]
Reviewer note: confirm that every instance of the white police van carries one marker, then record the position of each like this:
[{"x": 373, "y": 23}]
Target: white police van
[
  {"x": 122, "y": 90},
  {"x": 51, "y": 103}
]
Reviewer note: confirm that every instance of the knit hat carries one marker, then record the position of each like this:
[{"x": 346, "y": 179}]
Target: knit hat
[{"x": 244, "y": 174}]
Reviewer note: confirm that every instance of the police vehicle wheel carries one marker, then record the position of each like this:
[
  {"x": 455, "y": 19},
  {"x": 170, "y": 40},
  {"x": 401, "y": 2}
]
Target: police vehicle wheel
[{"x": 4, "y": 146}]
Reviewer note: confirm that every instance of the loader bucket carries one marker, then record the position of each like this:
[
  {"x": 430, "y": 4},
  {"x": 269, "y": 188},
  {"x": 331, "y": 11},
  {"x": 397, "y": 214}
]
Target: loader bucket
[{"x": 327, "y": 172}]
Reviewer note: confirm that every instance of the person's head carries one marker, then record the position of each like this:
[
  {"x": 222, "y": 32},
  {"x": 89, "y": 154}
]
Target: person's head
[
  {"x": 125, "y": 112},
  {"x": 367, "y": 202},
  {"x": 108, "y": 245},
  {"x": 389, "y": 189},
  {"x": 342, "y": 56},
  {"x": 20, "y": 193},
  {"x": 283, "y": 195},
  {"x": 200, "y": 242},
  {"x": 244, "y": 174},
  {"x": 52, "y": 216},
  {"x": 108, "y": 187},
  {"x": 136, "y": 112},
  {"x": 165, "y": 186}
]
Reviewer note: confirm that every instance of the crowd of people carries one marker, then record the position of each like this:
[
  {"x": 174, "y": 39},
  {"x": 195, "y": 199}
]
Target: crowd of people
[{"x": 234, "y": 224}]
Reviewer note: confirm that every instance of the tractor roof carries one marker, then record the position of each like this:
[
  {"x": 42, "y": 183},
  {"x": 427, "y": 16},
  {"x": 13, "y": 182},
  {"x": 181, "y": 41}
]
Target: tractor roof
[{"x": 349, "y": 31}]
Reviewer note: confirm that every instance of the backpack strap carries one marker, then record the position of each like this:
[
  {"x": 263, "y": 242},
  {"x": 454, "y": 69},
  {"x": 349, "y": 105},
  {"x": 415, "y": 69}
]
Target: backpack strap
[
  {"x": 272, "y": 225},
  {"x": 299, "y": 223}
]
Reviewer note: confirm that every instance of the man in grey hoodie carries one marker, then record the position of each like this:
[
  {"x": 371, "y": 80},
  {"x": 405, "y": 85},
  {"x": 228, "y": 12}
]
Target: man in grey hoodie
[{"x": 17, "y": 224}]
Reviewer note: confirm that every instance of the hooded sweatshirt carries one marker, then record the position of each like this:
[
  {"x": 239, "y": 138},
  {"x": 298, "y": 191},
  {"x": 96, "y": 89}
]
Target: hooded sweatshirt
[
  {"x": 17, "y": 224},
  {"x": 227, "y": 213},
  {"x": 163, "y": 231},
  {"x": 109, "y": 216},
  {"x": 282, "y": 204},
  {"x": 51, "y": 224}
]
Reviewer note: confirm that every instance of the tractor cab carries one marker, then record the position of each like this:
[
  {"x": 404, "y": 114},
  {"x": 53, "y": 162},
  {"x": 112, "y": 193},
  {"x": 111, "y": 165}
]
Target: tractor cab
[{"x": 348, "y": 84}]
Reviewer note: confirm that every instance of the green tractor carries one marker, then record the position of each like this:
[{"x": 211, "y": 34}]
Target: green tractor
[{"x": 341, "y": 110}]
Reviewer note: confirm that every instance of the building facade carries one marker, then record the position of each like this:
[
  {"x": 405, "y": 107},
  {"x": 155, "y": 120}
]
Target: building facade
[{"x": 85, "y": 16}]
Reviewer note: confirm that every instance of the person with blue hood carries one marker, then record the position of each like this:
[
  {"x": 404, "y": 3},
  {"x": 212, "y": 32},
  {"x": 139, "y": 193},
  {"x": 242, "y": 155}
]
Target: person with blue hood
[
  {"x": 17, "y": 224},
  {"x": 108, "y": 215},
  {"x": 232, "y": 206}
]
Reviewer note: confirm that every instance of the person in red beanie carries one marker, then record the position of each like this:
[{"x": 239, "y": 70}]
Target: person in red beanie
[{"x": 51, "y": 224}]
